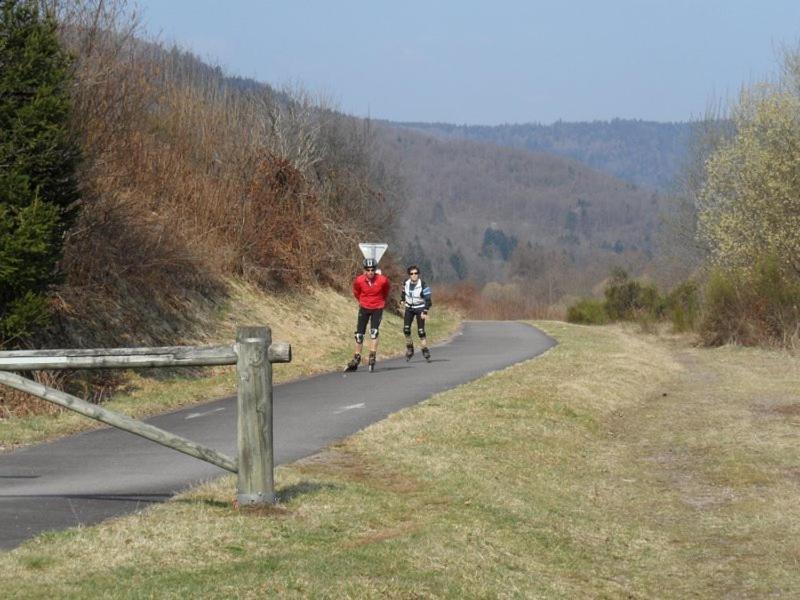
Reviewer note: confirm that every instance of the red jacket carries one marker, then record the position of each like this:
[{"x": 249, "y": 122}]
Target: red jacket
[{"x": 371, "y": 294}]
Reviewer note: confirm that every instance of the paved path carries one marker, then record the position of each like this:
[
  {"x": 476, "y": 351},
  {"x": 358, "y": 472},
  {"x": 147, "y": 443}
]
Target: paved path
[{"x": 89, "y": 477}]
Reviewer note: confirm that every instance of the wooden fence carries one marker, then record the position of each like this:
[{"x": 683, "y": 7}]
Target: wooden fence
[{"x": 253, "y": 354}]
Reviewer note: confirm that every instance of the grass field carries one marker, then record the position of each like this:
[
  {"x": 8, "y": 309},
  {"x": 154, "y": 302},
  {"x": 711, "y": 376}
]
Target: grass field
[{"x": 616, "y": 465}]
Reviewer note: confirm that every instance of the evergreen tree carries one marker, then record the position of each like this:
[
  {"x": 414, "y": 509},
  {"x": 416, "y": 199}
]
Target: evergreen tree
[
  {"x": 496, "y": 239},
  {"x": 38, "y": 160},
  {"x": 415, "y": 255},
  {"x": 459, "y": 264}
]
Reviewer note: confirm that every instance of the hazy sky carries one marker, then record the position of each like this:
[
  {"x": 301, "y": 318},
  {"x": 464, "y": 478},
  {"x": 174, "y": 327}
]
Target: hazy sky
[{"x": 493, "y": 61}]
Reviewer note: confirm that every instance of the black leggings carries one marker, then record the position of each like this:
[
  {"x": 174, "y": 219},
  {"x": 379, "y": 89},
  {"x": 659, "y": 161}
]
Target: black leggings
[
  {"x": 408, "y": 320},
  {"x": 373, "y": 316}
]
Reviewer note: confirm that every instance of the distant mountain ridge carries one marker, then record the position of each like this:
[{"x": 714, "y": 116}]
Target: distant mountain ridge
[
  {"x": 647, "y": 153},
  {"x": 486, "y": 213}
]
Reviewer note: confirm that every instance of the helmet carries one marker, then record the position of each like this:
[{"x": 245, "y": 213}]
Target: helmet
[{"x": 370, "y": 263}]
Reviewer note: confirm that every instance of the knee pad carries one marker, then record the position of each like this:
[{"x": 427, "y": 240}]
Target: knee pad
[
  {"x": 373, "y": 334},
  {"x": 407, "y": 330},
  {"x": 421, "y": 332},
  {"x": 359, "y": 338}
]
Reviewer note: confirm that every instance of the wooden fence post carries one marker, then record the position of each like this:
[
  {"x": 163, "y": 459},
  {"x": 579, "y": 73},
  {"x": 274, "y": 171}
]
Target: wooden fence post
[{"x": 256, "y": 486}]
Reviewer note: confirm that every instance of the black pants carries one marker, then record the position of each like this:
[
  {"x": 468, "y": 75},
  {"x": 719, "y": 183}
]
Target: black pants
[
  {"x": 408, "y": 320},
  {"x": 373, "y": 316}
]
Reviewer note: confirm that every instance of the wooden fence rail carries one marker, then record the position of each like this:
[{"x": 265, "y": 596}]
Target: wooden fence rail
[{"x": 253, "y": 354}]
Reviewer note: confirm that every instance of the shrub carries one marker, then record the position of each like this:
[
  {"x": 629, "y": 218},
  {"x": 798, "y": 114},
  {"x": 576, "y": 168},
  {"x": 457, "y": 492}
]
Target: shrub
[
  {"x": 776, "y": 301},
  {"x": 650, "y": 302},
  {"x": 721, "y": 310},
  {"x": 761, "y": 306},
  {"x": 588, "y": 311},
  {"x": 682, "y": 306},
  {"x": 628, "y": 299}
]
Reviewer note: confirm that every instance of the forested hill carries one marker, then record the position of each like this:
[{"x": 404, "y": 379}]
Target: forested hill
[
  {"x": 646, "y": 153},
  {"x": 475, "y": 211}
]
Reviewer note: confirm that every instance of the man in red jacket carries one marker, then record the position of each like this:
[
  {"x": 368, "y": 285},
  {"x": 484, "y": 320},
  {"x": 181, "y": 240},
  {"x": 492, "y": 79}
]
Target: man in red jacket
[{"x": 371, "y": 289}]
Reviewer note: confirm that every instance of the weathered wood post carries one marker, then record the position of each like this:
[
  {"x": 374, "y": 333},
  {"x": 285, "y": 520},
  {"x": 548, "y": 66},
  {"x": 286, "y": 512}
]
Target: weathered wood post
[{"x": 256, "y": 486}]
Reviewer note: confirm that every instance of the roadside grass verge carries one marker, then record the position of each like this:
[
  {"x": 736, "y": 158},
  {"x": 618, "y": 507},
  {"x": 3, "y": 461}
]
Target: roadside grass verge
[
  {"x": 616, "y": 465},
  {"x": 319, "y": 323}
]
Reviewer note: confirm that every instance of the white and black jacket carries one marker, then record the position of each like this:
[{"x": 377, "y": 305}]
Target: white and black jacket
[{"x": 416, "y": 296}]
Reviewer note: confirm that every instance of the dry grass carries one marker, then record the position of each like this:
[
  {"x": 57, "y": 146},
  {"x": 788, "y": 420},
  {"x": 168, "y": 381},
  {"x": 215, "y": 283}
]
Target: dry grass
[
  {"x": 496, "y": 301},
  {"x": 239, "y": 179},
  {"x": 617, "y": 465}
]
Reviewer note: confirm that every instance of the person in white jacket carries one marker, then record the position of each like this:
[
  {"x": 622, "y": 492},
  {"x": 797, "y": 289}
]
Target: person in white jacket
[{"x": 416, "y": 298}]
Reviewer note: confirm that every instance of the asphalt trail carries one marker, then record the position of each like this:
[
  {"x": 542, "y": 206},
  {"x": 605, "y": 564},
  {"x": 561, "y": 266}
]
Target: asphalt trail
[{"x": 83, "y": 479}]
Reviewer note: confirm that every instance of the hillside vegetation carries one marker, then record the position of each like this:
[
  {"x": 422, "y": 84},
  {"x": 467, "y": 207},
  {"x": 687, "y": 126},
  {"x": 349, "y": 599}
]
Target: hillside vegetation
[
  {"x": 616, "y": 465},
  {"x": 189, "y": 179},
  {"x": 189, "y": 182},
  {"x": 737, "y": 230},
  {"x": 548, "y": 225}
]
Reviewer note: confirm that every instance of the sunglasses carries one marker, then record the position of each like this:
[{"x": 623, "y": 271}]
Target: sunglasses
[
  {"x": 414, "y": 273},
  {"x": 369, "y": 269}
]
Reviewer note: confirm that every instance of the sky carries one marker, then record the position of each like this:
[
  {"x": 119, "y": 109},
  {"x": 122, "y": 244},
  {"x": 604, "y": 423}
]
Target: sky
[{"x": 494, "y": 61}]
